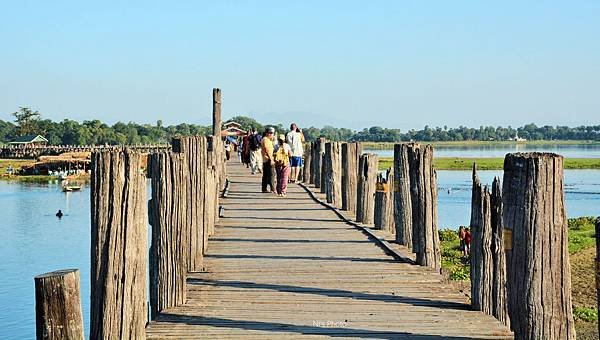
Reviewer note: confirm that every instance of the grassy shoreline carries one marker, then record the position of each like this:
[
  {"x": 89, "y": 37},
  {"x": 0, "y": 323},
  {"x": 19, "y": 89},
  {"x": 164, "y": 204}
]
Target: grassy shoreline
[
  {"x": 582, "y": 253},
  {"x": 390, "y": 145},
  {"x": 466, "y": 163}
]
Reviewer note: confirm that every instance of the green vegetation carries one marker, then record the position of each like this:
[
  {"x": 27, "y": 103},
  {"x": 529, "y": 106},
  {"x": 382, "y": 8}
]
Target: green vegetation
[
  {"x": 585, "y": 314},
  {"x": 15, "y": 163},
  {"x": 581, "y": 237},
  {"x": 458, "y": 268},
  {"x": 581, "y": 244},
  {"x": 28, "y": 121},
  {"x": 582, "y": 234},
  {"x": 459, "y": 163}
]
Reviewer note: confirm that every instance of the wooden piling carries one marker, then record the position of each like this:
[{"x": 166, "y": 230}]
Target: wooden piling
[
  {"x": 58, "y": 306},
  {"x": 169, "y": 253},
  {"x": 481, "y": 247},
  {"x": 319, "y": 151},
  {"x": 536, "y": 244},
  {"x": 216, "y": 113},
  {"x": 423, "y": 183},
  {"x": 211, "y": 191},
  {"x": 350, "y": 154},
  {"x": 383, "y": 219},
  {"x": 219, "y": 149},
  {"x": 365, "y": 197},
  {"x": 194, "y": 150},
  {"x": 306, "y": 173},
  {"x": 333, "y": 174},
  {"x": 119, "y": 245},
  {"x": 403, "y": 215},
  {"x": 499, "y": 303}
]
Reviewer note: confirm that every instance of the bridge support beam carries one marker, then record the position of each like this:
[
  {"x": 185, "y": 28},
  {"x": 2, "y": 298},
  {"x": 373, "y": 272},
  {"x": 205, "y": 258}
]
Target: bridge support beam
[
  {"x": 384, "y": 205},
  {"x": 488, "y": 265},
  {"x": 58, "y": 306},
  {"x": 350, "y": 155},
  {"x": 333, "y": 172},
  {"x": 367, "y": 178},
  {"x": 119, "y": 244},
  {"x": 537, "y": 254}
]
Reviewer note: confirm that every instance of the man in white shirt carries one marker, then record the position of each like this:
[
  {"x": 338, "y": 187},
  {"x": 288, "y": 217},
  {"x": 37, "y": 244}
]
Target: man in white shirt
[{"x": 295, "y": 139}]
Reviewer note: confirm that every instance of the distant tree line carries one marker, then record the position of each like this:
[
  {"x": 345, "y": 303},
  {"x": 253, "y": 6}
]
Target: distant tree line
[{"x": 91, "y": 132}]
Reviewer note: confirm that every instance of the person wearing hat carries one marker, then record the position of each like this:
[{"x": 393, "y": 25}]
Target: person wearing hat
[
  {"x": 282, "y": 164},
  {"x": 268, "y": 178}
]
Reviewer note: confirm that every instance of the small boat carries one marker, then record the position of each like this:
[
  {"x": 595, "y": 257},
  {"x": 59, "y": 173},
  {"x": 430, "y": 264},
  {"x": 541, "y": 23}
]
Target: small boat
[{"x": 69, "y": 188}]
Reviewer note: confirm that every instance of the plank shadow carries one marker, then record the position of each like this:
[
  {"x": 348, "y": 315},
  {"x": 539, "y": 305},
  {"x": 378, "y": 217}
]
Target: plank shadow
[
  {"x": 274, "y": 240},
  {"x": 290, "y": 257},
  {"x": 335, "y": 293},
  {"x": 276, "y": 327}
]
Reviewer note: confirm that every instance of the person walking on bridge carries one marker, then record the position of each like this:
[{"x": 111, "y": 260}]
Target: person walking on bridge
[
  {"x": 245, "y": 154},
  {"x": 254, "y": 142},
  {"x": 268, "y": 177},
  {"x": 294, "y": 138},
  {"x": 282, "y": 161}
]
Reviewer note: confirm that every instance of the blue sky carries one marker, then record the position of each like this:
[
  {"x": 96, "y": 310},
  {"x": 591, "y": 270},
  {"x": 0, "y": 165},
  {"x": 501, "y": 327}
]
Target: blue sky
[{"x": 400, "y": 64}]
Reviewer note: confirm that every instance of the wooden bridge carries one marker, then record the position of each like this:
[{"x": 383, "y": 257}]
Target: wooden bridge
[
  {"x": 348, "y": 253},
  {"x": 289, "y": 267}
]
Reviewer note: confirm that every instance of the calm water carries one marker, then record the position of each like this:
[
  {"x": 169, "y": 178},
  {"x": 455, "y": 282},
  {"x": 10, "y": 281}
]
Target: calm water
[
  {"x": 569, "y": 151},
  {"x": 33, "y": 241}
]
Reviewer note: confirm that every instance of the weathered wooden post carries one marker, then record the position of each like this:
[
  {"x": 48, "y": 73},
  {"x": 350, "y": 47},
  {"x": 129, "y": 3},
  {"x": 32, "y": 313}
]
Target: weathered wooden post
[
  {"x": 537, "y": 256},
  {"x": 403, "y": 215},
  {"x": 306, "y": 173},
  {"x": 499, "y": 303},
  {"x": 488, "y": 268},
  {"x": 350, "y": 154},
  {"x": 211, "y": 192},
  {"x": 383, "y": 219},
  {"x": 194, "y": 150},
  {"x": 170, "y": 231},
  {"x": 481, "y": 247},
  {"x": 365, "y": 198},
  {"x": 220, "y": 148},
  {"x": 423, "y": 183},
  {"x": 119, "y": 245},
  {"x": 58, "y": 306},
  {"x": 334, "y": 174},
  {"x": 324, "y": 170},
  {"x": 319, "y": 151}
]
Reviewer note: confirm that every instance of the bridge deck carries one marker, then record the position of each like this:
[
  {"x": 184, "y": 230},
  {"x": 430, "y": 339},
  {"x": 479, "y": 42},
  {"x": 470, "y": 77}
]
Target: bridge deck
[{"x": 288, "y": 267}]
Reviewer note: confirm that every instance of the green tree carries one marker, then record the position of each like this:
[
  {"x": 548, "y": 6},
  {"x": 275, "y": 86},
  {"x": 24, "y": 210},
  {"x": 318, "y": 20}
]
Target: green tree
[{"x": 27, "y": 121}]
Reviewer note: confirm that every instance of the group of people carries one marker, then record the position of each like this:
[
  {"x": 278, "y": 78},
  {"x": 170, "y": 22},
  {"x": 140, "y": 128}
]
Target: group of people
[
  {"x": 464, "y": 234},
  {"x": 278, "y": 158}
]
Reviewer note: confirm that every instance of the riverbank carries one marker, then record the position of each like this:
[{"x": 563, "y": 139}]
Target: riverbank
[
  {"x": 466, "y": 163},
  {"x": 16, "y": 164},
  {"x": 582, "y": 254},
  {"x": 474, "y": 143}
]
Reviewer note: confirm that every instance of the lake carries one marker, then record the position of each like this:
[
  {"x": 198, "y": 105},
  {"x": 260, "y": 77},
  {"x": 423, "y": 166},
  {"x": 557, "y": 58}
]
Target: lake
[
  {"x": 33, "y": 241},
  {"x": 566, "y": 150}
]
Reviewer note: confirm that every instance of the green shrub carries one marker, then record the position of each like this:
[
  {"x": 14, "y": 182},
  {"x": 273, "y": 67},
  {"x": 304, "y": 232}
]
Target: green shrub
[
  {"x": 582, "y": 223},
  {"x": 460, "y": 273},
  {"x": 585, "y": 314},
  {"x": 448, "y": 235}
]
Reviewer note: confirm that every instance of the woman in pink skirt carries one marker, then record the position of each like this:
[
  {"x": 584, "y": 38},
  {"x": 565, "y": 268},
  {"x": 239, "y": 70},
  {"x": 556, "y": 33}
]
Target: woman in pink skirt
[{"x": 282, "y": 164}]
